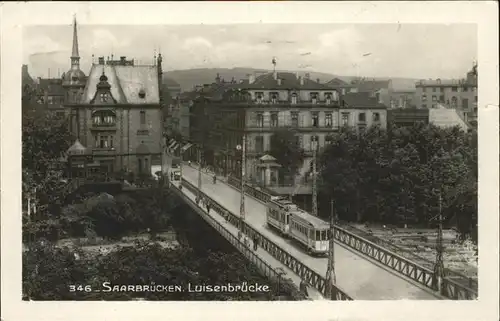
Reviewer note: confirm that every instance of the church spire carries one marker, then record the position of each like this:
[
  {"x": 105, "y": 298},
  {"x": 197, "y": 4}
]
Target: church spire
[{"x": 75, "y": 55}]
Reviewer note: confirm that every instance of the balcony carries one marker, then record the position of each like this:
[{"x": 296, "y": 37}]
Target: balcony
[
  {"x": 103, "y": 126},
  {"x": 303, "y": 128}
]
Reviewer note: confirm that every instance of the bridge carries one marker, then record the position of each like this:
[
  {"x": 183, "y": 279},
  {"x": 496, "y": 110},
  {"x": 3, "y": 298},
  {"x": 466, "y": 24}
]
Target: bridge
[{"x": 364, "y": 270}]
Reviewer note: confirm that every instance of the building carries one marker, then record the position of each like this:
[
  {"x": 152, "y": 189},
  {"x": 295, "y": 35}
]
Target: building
[
  {"x": 223, "y": 112},
  {"x": 115, "y": 112},
  {"x": 382, "y": 89},
  {"x": 342, "y": 86},
  {"x": 407, "y": 116},
  {"x": 458, "y": 94},
  {"x": 402, "y": 99}
]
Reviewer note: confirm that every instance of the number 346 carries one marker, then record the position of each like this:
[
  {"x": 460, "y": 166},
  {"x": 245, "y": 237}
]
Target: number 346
[{"x": 80, "y": 288}]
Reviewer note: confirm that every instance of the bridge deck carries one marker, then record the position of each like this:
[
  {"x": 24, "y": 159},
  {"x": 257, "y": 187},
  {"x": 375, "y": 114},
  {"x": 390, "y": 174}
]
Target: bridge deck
[
  {"x": 361, "y": 278},
  {"x": 260, "y": 252}
]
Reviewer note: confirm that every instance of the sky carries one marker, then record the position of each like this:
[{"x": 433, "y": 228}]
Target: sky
[{"x": 419, "y": 51}]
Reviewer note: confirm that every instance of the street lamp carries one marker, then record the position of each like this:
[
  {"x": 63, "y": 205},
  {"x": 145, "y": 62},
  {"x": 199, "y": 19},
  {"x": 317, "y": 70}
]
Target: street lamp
[
  {"x": 199, "y": 173},
  {"x": 314, "y": 186},
  {"x": 242, "y": 147},
  {"x": 439, "y": 265}
]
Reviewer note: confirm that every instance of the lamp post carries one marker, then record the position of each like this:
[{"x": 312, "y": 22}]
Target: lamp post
[
  {"x": 199, "y": 173},
  {"x": 242, "y": 147}
]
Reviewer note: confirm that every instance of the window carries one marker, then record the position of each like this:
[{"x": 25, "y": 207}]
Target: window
[
  {"x": 345, "y": 119},
  {"x": 274, "y": 119},
  {"x": 104, "y": 97},
  {"x": 328, "y": 97},
  {"x": 295, "y": 118},
  {"x": 328, "y": 120},
  {"x": 424, "y": 89},
  {"x": 441, "y": 99},
  {"x": 104, "y": 118},
  {"x": 315, "y": 119},
  {"x": 440, "y": 89},
  {"x": 465, "y": 103},
  {"x": 260, "y": 120},
  {"x": 454, "y": 89},
  {"x": 362, "y": 117},
  {"x": 314, "y": 142},
  {"x": 294, "y": 99},
  {"x": 434, "y": 98},
  {"x": 314, "y": 98},
  {"x": 376, "y": 117},
  {"x": 143, "y": 117},
  {"x": 475, "y": 99},
  {"x": 259, "y": 97},
  {"x": 465, "y": 89},
  {"x": 297, "y": 141},
  {"x": 424, "y": 98},
  {"x": 259, "y": 144},
  {"x": 274, "y": 98},
  {"x": 103, "y": 141}
]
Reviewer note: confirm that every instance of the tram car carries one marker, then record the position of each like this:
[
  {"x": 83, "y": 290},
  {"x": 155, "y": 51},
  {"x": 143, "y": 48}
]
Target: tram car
[
  {"x": 278, "y": 213},
  {"x": 311, "y": 231}
]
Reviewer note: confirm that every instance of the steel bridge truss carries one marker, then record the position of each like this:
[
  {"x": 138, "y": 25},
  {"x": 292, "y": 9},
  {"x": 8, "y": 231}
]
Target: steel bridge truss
[{"x": 417, "y": 273}]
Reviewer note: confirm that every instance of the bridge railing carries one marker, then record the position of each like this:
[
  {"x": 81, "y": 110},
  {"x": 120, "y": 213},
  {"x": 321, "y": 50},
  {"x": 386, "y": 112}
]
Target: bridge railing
[
  {"x": 305, "y": 273},
  {"x": 423, "y": 275},
  {"x": 262, "y": 265}
]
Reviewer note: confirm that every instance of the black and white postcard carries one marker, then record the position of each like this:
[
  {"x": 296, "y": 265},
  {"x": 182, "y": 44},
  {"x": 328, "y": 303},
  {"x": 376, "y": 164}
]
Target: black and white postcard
[{"x": 162, "y": 160}]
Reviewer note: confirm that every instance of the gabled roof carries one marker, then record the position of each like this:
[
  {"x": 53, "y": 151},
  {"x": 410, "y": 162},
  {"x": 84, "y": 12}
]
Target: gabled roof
[
  {"x": 126, "y": 83},
  {"x": 361, "y": 100},
  {"x": 288, "y": 81}
]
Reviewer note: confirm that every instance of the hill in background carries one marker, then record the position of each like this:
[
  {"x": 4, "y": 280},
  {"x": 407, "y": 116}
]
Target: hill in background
[{"x": 189, "y": 78}]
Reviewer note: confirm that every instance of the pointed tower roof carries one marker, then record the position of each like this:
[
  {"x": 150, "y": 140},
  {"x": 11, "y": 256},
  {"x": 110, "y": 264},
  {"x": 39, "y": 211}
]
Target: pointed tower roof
[
  {"x": 74, "y": 51},
  {"x": 76, "y": 149}
]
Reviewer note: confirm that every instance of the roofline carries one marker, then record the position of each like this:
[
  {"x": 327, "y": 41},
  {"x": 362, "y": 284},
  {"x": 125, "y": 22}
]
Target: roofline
[{"x": 120, "y": 105}]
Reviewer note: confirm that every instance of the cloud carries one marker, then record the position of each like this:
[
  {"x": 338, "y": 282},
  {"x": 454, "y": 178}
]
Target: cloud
[
  {"x": 42, "y": 45},
  {"x": 102, "y": 38}
]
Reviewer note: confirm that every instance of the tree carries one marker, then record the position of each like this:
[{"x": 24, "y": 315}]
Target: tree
[
  {"x": 289, "y": 155},
  {"x": 395, "y": 176}
]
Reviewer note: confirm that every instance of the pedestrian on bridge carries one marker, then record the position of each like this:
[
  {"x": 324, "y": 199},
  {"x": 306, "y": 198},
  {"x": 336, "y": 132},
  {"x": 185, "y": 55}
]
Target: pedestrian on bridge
[
  {"x": 215, "y": 179},
  {"x": 208, "y": 207},
  {"x": 303, "y": 287},
  {"x": 255, "y": 242}
]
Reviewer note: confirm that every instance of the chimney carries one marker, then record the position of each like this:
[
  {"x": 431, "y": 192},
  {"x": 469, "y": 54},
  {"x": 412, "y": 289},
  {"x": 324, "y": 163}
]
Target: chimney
[
  {"x": 101, "y": 60},
  {"x": 308, "y": 76},
  {"x": 251, "y": 79},
  {"x": 297, "y": 75},
  {"x": 275, "y": 75},
  {"x": 301, "y": 79},
  {"x": 279, "y": 81}
]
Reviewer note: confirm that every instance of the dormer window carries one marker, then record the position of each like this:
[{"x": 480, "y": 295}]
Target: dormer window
[
  {"x": 142, "y": 94},
  {"x": 104, "y": 97},
  {"x": 294, "y": 99}
]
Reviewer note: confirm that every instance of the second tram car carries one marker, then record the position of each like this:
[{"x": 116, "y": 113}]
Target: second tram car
[{"x": 311, "y": 231}]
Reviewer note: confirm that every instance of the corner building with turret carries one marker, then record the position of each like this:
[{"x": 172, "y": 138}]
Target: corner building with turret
[{"x": 115, "y": 113}]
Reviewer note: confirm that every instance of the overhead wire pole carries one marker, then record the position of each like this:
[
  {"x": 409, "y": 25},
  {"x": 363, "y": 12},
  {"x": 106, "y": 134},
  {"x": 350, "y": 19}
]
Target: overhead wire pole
[
  {"x": 439, "y": 265},
  {"x": 242, "y": 187},
  {"x": 199, "y": 173},
  {"x": 331, "y": 278},
  {"x": 314, "y": 187}
]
